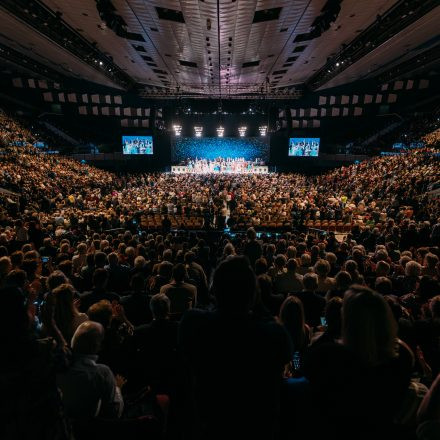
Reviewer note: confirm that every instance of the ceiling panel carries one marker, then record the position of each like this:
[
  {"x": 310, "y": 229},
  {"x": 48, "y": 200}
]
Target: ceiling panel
[{"x": 214, "y": 58}]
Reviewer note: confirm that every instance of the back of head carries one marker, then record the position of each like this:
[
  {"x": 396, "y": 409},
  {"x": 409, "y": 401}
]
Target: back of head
[
  {"x": 305, "y": 260},
  {"x": 383, "y": 285},
  {"x": 280, "y": 261},
  {"x": 100, "y": 259},
  {"x": 291, "y": 265},
  {"x": 88, "y": 338},
  {"x": 189, "y": 257},
  {"x": 113, "y": 259},
  {"x": 343, "y": 280},
  {"x": 100, "y": 277},
  {"x": 322, "y": 268},
  {"x": 260, "y": 266},
  {"x": 251, "y": 234},
  {"x": 179, "y": 273},
  {"x": 160, "y": 306},
  {"x": 310, "y": 282},
  {"x": 369, "y": 328},
  {"x": 101, "y": 312},
  {"x": 165, "y": 269},
  {"x": 413, "y": 269},
  {"x": 64, "y": 309},
  {"x": 292, "y": 312},
  {"x": 16, "y": 278},
  {"x": 234, "y": 285},
  {"x": 55, "y": 279}
]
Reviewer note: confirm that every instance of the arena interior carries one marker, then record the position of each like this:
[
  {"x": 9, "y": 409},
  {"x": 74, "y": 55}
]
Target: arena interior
[{"x": 220, "y": 219}]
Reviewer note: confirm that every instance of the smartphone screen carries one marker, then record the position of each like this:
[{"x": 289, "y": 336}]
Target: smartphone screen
[{"x": 323, "y": 321}]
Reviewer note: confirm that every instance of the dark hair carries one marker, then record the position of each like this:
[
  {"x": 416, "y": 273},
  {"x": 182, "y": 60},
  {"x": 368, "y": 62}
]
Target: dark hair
[
  {"x": 100, "y": 277},
  {"x": 234, "y": 285},
  {"x": 179, "y": 272}
]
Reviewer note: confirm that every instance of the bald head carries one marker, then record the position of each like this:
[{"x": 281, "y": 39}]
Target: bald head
[{"x": 87, "y": 338}]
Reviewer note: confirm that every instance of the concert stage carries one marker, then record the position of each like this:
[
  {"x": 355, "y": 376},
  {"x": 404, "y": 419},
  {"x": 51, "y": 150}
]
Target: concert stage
[{"x": 184, "y": 169}]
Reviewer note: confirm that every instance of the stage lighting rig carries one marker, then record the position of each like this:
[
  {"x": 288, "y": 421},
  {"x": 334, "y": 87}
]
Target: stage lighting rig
[
  {"x": 198, "y": 131},
  {"x": 177, "y": 129},
  {"x": 263, "y": 130},
  {"x": 220, "y": 131},
  {"x": 242, "y": 131}
]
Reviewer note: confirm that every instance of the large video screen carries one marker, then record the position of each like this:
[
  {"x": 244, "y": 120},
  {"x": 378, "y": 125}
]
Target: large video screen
[
  {"x": 304, "y": 147},
  {"x": 137, "y": 145},
  {"x": 250, "y": 149}
]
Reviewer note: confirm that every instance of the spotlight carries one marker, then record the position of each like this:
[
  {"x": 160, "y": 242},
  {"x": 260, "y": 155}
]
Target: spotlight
[
  {"x": 177, "y": 129},
  {"x": 101, "y": 63},
  {"x": 198, "y": 130},
  {"x": 263, "y": 130},
  {"x": 242, "y": 131},
  {"x": 220, "y": 131},
  {"x": 337, "y": 64}
]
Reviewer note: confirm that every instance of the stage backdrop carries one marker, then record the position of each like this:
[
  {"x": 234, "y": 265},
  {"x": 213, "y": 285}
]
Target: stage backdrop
[{"x": 210, "y": 148}]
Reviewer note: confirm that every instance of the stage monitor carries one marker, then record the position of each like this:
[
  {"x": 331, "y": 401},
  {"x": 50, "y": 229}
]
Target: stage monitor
[
  {"x": 137, "y": 145},
  {"x": 304, "y": 147}
]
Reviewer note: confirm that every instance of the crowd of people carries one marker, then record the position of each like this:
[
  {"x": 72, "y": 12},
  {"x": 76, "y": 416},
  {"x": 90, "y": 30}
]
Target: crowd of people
[
  {"x": 234, "y": 165},
  {"x": 114, "y": 330}
]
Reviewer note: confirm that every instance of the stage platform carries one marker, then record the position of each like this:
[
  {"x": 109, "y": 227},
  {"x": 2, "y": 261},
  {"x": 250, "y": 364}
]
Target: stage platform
[{"x": 184, "y": 169}]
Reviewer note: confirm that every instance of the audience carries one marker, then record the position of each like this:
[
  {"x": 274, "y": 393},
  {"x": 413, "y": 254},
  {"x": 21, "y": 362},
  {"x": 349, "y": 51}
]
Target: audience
[{"x": 97, "y": 292}]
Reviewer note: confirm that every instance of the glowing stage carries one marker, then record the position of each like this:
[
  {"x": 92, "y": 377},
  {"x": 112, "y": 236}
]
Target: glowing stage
[{"x": 185, "y": 169}]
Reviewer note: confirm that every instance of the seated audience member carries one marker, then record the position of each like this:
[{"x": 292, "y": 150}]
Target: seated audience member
[
  {"x": 67, "y": 317},
  {"x": 156, "y": 345},
  {"x": 429, "y": 413},
  {"x": 28, "y": 371},
  {"x": 351, "y": 267},
  {"x": 288, "y": 281},
  {"x": 136, "y": 303},
  {"x": 90, "y": 389},
  {"x": 331, "y": 327},
  {"x": 230, "y": 337},
  {"x": 117, "y": 337},
  {"x": 79, "y": 258},
  {"x": 292, "y": 319},
  {"x": 427, "y": 334},
  {"x": 325, "y": 283},
  {"x": 312, "y": 302},
  {"x": 252, "y": 249},
  {"x": 343, "y": 282},
  {"x": 270, "y": 300},
  {"x": 304, "y": 267},
  {"x": 99, "y": 291},
  {"x": 383, "y": 285},
  {"x": 182, "y": 295},
  {"x": 429, "y": 265},
  {"x": 367, "y": 376},
  {"x": 118, "y": 274},
  {"x": 165, "y": 272},
  {"x": 197, "y": 274}
]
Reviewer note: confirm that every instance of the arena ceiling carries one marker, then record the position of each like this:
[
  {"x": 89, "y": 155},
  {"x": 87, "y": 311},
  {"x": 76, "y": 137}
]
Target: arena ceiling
[{"x": 219, "y": 47}]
